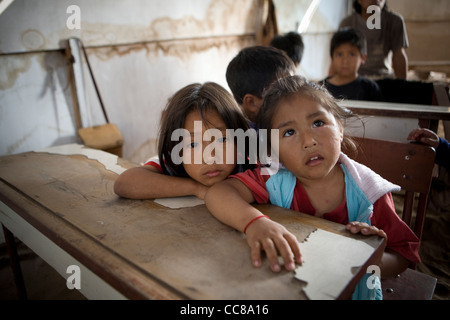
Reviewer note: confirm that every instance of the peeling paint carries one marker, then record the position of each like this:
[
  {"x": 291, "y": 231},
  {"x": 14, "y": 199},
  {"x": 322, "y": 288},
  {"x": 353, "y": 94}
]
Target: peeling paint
[
  {"x": 132, "y": 58},
  {"x": 182, "y": 49},
  {"x": 40, "y": 28},
  {"x": 220, "y": 16}
]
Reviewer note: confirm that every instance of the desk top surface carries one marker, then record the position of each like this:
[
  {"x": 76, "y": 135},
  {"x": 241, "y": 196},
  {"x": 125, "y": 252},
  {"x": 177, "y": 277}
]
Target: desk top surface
[
  {"x": 146, "y": 250},
  {"x": 400, "y": 110}
]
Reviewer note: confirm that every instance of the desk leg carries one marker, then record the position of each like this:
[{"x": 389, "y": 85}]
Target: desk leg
[{"x": 15, "y": 263}]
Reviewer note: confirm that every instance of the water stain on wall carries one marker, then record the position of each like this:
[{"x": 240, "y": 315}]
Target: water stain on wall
[
  {"x": 223, "y": 26},
  {"x": 32, "y": 39},
  {"x": 181, "y": 49},
  {"x": 12, "y": 67},
  {"x": 222, "y": 18},
  {"x": 20, "y": 141}
]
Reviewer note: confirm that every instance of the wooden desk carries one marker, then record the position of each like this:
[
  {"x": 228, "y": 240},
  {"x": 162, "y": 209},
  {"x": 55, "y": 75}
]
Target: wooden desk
[
  {"x": 428, "y": 116},
  {"x": 63, "y": 207}
]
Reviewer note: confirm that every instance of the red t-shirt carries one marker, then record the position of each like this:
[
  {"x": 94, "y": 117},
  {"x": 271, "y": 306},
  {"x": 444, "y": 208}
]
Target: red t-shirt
[
  {"x": 154, "y": 162},
  {"x": 400, "y": 237}
]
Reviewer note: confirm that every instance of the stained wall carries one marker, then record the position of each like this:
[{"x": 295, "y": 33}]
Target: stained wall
[{"x": 140, "y": 51}]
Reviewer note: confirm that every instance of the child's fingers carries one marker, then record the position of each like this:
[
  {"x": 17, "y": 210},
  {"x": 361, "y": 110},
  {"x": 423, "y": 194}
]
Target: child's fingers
[
  {"x": 272, "y": 255},
  {"x": 382, "y": 234},
  {"x": 273, "y": 239},
  {"x": 365, "y": 229},
  {"x": 356, "y": 227},
  {"x": 255, "y": 253},
  {"x": 286, "y": 253},
  {"x": 414, "y": 134},
  {"x": 369, "y": 230},
  {"x": 374, "y": 230},
  {"x": 295, "y": 247}
]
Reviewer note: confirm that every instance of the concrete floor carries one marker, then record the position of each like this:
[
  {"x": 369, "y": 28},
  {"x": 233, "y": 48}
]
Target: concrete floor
[{"x": 42, "y": 282}]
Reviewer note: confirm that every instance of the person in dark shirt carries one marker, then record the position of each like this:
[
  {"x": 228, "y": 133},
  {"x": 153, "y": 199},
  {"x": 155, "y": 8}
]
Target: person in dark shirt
[
  {"x": 440, "y": 188},
  {"x": 386, "y": 44},
  {"x": 430, "y": 138},
  {"x": 348, "y": 50}
]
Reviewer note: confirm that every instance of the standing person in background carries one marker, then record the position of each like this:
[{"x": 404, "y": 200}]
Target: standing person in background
[
  {"x": 383, "y": 40},
  {"x": 292, "y": 44}
]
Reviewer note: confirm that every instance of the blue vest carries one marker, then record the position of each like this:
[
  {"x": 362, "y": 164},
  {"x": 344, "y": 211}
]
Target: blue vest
[{"x": 281, "y": 187}]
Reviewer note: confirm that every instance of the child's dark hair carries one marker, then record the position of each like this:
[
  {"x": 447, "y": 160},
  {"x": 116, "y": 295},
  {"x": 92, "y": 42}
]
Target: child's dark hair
[
  {"x": 291, "y": 86},
  {"x": 195, "y": 97},
  {"x": 255, "y": 68},
  {"x": 291, "y": 43},
  {"x": 350, "y": 36}
]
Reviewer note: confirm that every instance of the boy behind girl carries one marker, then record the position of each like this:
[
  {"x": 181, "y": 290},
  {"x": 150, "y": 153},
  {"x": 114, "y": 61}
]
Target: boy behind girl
[
  {"x": 292, "y": 44},
  {"x": 252, "y": 71},
  {"x": 348, "y": 50}
]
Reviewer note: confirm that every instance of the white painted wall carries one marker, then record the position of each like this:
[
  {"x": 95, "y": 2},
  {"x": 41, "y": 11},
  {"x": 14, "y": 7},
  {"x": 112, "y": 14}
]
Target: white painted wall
[
  {"x": 316, "y": 34},
  {"x": 141, "y": 52}
]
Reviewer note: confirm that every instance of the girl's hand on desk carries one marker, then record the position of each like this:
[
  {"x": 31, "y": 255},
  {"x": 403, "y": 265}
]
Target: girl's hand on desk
[
  {"x": 267, "y": 235},
  {"x": 365, "y": 229}
]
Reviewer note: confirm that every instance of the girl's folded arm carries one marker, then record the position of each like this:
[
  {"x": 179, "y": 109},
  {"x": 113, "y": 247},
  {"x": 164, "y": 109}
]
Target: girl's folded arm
[
  {"x": 147, "y": 182},
  {"x": 229, "y": 201}
]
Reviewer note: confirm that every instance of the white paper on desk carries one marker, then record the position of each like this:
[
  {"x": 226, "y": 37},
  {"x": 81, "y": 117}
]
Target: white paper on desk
[
  {"x": 323, "y": 248},
  {"x": 180, "y": 202},
  {"x": 107, "y": 159}
]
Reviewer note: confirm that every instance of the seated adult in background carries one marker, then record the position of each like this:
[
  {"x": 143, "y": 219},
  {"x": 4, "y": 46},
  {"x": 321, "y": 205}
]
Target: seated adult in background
[
  {"x": 292, "y": 44},
  {"x": 389, "y": 37},
  {"x": 348, "y": 53}
]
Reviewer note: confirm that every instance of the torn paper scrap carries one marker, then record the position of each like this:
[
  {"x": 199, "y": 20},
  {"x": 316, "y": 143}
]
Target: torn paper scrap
[
  {"x": 107, "y": 159},
  {"x": 328, "y": 262}
]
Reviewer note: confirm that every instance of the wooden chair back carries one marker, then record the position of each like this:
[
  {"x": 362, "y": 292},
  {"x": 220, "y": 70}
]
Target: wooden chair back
[{"x": 408, "y": 165}]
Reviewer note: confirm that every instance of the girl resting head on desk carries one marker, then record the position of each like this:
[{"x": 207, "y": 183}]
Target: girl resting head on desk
[
  {"x": 316, "y": 178},
  {"x": 196, "y": 146}
]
